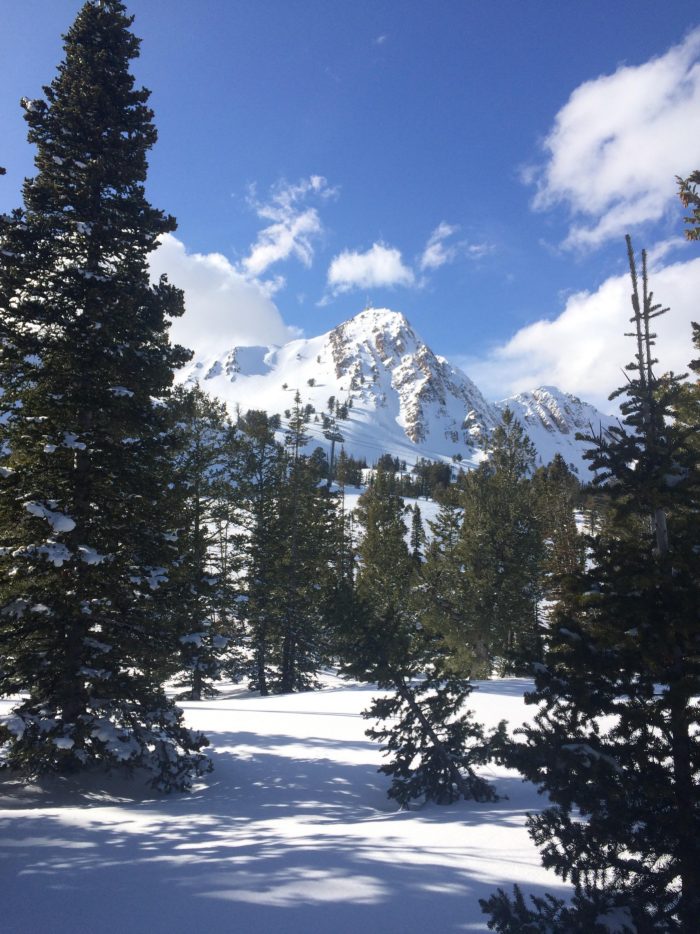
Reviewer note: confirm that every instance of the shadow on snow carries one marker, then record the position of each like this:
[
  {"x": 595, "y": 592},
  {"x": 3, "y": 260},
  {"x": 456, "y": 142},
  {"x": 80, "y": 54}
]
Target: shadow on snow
[{"x": 272, "y": 842}]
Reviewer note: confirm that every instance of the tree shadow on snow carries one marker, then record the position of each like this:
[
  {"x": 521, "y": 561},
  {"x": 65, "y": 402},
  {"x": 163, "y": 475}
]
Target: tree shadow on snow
[
  {"x": 507, "y": 687},
  {"x": 272, "y": 842}
]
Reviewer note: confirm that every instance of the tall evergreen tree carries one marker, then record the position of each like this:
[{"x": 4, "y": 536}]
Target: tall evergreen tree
[
  {"x": 259, "y": 481},
  {"x": 688, "y": 403},
  {"x": 306, "y": 512},
  {"x": 385, "y": 566},
  {"x": 442, "y": 590},
  {"x": 417, "y": 536},
  {"x": 616, "y": 741},
  {"x": 85, "y": 364},
  {"x": 288, "y": 549},
  {"x": 203, "y": 584},
  {"x": 432, "y": 742},
  {"x": 348, "y": 470},
  {"x": 499, "y": 553},
  {"x": 556, "y": 494}
]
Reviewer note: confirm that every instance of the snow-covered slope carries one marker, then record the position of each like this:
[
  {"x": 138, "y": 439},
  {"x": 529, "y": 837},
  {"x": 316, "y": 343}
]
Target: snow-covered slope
[
  {"x": 552, "y": 418},
  {"x": 292, "y": 832},
  {"x": 402, "y": 397}
]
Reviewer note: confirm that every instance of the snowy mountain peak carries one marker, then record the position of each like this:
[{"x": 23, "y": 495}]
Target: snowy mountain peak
[
  {"x": 555, "y": 411},
  {"x": 377, "y": 333},
  {"x": 553, "y": 418},
  {"x": 403, "y": 398},
  {"x": 372, "y": 320},
  {"x": 247, "y": 361},
  {"x": 383, "y": 357}
]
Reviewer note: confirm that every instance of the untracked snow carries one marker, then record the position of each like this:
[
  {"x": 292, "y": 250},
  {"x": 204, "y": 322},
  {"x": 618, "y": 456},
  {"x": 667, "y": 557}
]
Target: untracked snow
[{"x": 291, "y": 833}]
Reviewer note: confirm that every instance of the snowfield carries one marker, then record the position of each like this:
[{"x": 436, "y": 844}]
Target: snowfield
[{"x": 291, "y": 833}]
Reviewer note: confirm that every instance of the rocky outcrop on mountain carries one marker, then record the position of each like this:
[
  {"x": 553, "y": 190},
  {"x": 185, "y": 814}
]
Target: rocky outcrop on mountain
[
  {"x": 553, "y": 410},
  {"x": 402, "y": 398},
  {"x": 380, "y": 351},
  {"x": 553, "y": 418}
]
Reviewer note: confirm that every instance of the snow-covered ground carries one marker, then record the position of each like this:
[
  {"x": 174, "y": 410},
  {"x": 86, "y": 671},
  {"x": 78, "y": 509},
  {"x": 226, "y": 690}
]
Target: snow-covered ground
[
  {"x": 292, "y": 833},
  {"x": 429, "y": 509}
]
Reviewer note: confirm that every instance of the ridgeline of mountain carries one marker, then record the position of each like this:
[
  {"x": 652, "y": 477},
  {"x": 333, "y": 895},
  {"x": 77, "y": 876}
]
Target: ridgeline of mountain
[{"x": 402, "y": 398}]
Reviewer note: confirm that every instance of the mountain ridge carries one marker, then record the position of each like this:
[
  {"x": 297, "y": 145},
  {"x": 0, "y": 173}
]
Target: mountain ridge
[{"x": 402, "y": 398}]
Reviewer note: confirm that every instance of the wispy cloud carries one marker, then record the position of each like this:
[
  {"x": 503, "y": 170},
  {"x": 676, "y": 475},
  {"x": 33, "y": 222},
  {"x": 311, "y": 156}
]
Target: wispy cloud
[
  {"x": 380, "y": 40},
  {"x": 478, "y": 250},
  {"x": 380, "y": 266},
  {"x": 618, "y": 143},
  {"x": 660, "y": 250},
  {"x": 383, "y": 266},
  {"x": 293, "y": 225},
  {"x": 437, "y": 252},
  {"x": 442, "y": 248},
  {"x": 594, "y": 323}
]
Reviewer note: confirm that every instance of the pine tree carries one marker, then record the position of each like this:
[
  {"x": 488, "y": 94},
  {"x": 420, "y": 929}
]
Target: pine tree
[
  {"x": 288, "y": 561},
  {"x": 686, "y": 410},
  {"x": 443, "y": 590},
  {"x": 690, "y": 198},
  {"x": 500, "y": 550},
  {"x": 385, "y": 566},
  {"x": 556, "y": 495},
  {"x": 688, "y": 403},
  {"x": 203, "y": 585},
  {"x": 616, "y": 741},
  {"x": 85, "y": 364},
  {"x": 432, "y": 742},
  {"x": 306, "y": 512},
  {"x": 348, "y": 471},
  {"x": 417, "y": 536},
  {"x": 259, "y": 483}
]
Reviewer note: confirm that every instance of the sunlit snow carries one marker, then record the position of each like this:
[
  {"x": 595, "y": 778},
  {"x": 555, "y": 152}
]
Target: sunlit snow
[
  {"x": 404, "y": 399},
  {"x": 292, "y": 832},
  {"x": 58, "y": 521}
]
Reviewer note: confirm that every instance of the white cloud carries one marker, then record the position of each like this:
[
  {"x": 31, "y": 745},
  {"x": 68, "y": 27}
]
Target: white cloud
[
  {"x": 478, "y": 250},
  {"x": 618, "y": 143},
  {"x": 437, "y": 253},
  {"x": 293, "y": 225},
  {"x": 222, "y": 307},
  {"x": 380, "y": 266},
  {"x": 584, "y": 350},
  {"x": 661, "y": 249}
]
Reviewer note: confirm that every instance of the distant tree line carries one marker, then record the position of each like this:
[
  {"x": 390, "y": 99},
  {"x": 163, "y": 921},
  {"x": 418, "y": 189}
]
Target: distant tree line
[{"x": 146, "y": 537}]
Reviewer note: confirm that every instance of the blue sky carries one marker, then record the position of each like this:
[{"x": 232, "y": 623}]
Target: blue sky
[{"x": 472, "y": 164}]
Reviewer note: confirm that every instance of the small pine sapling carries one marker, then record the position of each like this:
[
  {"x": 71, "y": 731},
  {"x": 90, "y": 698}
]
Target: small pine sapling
[{"x": 432, "y": 741}]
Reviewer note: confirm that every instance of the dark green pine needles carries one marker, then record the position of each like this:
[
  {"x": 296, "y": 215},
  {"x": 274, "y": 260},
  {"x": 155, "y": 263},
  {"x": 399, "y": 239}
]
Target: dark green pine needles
[
  {"x": 431, "y": 741},
  {"x": 616, "y": 741},
  {"x": 86, "y": 543}
]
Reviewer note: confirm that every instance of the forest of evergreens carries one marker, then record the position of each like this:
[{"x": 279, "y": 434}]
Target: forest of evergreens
[{"x": 149, "y": 538}]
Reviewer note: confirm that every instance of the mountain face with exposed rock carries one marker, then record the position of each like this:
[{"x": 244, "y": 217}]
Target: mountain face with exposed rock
[{"x": 401, "y": 397}]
